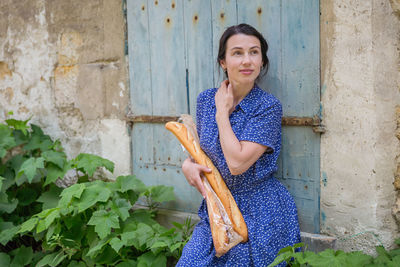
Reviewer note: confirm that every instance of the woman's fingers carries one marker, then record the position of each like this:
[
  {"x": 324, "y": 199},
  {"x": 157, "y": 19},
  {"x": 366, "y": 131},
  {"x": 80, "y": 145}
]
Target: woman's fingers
[{"x": 193, "y": 172}]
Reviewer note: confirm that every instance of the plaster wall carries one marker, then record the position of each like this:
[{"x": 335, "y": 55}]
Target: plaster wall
[
  {"x": 63, "y": 64},
  {"x": 360, "y": 90}
]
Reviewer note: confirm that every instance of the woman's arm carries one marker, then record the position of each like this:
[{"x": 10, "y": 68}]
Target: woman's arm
[
  {"x": 192, "y": 172},
  {"x": 239, "y": 155}
]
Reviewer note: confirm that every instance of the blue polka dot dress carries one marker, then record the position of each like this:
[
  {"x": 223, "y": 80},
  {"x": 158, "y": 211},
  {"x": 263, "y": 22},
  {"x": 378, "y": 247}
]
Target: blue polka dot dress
[{"x": 267, "y": 207}]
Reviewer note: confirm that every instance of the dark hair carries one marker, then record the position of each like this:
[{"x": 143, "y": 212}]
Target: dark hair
[{"x": 247, "y": 30}]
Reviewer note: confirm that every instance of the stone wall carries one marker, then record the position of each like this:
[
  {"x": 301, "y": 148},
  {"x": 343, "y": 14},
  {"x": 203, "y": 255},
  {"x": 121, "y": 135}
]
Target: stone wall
[
  {"x": 360, "y": 91},
  {"x": 63, "y": 64}
]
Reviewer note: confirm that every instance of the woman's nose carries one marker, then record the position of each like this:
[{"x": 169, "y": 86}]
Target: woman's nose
[{"x": 246, "y": 58}]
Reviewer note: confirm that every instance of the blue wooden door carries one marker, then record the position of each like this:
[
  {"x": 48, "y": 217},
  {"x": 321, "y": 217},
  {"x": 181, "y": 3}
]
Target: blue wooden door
[{"x": 172, "y": 50}]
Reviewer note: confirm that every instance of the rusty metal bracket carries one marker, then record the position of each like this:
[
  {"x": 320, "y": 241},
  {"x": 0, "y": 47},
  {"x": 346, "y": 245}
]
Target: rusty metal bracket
[{"x": 314, "y": 122}]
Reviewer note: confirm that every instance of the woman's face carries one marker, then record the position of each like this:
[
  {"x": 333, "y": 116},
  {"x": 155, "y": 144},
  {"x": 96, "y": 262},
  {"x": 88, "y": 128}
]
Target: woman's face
[{"x": 243, "y": 59}]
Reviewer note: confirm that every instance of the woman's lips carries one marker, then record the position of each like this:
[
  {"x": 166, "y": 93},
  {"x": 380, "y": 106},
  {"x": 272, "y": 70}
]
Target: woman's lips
[{"x": 246, "y": 71}]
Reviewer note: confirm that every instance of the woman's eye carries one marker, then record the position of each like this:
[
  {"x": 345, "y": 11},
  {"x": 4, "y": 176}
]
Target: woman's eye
[
  {"x": 254, "y": 52},
  {"x": 237, "y": 53}
]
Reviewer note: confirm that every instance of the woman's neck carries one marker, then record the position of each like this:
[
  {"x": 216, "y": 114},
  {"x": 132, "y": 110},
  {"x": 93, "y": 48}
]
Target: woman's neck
[{"x": 240, "y": 91}]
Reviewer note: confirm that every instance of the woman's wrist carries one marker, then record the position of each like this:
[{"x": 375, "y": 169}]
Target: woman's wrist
[{"x": 221, "y": 116}]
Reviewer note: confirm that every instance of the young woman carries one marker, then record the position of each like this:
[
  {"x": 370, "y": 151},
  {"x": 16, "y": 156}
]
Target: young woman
[{"x": 239, "y": 126}]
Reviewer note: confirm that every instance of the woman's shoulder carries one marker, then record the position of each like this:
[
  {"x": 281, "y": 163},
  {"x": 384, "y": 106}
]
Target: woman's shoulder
[
  {"x": 266, "y": 100},
  {"x": 208, "y": 93}
]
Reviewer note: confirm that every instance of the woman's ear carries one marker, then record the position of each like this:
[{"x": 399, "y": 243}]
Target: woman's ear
[{"x": 222, "y": 64}]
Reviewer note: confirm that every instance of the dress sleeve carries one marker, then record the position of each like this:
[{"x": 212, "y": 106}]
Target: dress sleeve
[{"x": 264, "y": 127}]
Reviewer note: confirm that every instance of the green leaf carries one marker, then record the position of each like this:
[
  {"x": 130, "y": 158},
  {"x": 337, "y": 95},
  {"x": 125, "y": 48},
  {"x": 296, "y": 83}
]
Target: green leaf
[
  {"x": 127, "y": 263},
  {"x": 51, "y": 197},
  {"x": 29, "y": 168},
  {"x": 26, "y": 195},
  {"x": 89, "y": 163},
  {"x": 7, "y": 206},
  {"x": 117, "y": 244},
  {"x": 104, "y": 221},
  {"x": 121, "y": 207},
  {"x": 53, "y": 259},
  {"x": 76, "y": 264},
  {"x": 161, "y": 193},
  {"x": 28, "y": 225},
  {"x": 70, "y": 192},
  {"x": 97, "y": 247},
  {"x": 6, "y": 140},
  {"x": 4, "y": 259},
  {"x": 56, "y": 157},
  {"x": 19, "y": 125},
  {"x": 130, "y": 182},
  {"x": 53, "y": 173},
  {"x": 96, "y": 192},
  {"x": 1, "y": 182},
  {"x": 38, "y": 140},
  {"x": 7, "y": 232},
  {"x": 48, "y": 216},
  {"x": 22, "y": 256},
  {"x": 356, "y": 258},
  {"x": 324, "y": 258},
  {"x": 150, "y": 260}
]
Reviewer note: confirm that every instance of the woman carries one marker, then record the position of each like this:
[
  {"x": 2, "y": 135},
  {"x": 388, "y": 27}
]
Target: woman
[{"x": 240, "y": 130}]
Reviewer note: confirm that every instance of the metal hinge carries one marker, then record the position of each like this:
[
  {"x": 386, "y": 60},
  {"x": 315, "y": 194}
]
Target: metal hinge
[{"x": 314, "y": 122}]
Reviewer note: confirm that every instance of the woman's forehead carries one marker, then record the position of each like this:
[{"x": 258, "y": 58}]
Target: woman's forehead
[{"x": 242, "y": 41}]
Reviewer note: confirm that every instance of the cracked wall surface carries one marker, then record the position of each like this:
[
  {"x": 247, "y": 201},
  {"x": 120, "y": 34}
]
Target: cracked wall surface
[
  {"x": 63, "y": 64},
  {"x": 360, "y": 92}
]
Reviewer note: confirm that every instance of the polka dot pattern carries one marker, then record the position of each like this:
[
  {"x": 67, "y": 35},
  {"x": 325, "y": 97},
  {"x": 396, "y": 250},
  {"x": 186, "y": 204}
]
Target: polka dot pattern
[{"x": 267, "y": 207}]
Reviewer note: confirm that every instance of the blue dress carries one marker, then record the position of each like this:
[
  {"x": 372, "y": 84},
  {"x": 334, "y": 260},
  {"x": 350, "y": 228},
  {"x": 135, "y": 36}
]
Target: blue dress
[{"x": 267, "y": 207}]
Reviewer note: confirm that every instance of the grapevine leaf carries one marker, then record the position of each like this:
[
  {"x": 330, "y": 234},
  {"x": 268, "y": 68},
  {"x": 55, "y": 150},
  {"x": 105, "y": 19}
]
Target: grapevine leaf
[
  {"x": 356, "y": 258},
  {"x": 89, "y": 163},
  {"x": 48, "y": 216},
  {"x": 22, "y": 256},
  {"x": 19, "y": 125},
  {"x": 117, "y": 244},
  {"x": 161, "y": 193},
  {"x": 104, "y": 221},
  {"x": 127, "y": 263},
  {"x": 26, "y": 196},
  {"x": 130, "y": 182},
  {"x": 6, "y": 205},
  {"x": 28, "y": 225},
  {"x": 50, "y": 198},
  {"x": 70, "y": 192},
  {"x": 38, "y": 140},
  {"x": 52, "y": 259},
  {"x": 4, "y": 259},
  {"x": 6, "y": 140},
  {"x": 1, "y": 181},
  {"x": 97, "y": 247},
  {"x": 150, "y": 260},
  {"x": 29, "y": 168},
  {"x": 53, "y": 173},
  {"x": 56, "y": 157},
  {"x": 96, "y": 192},
  {"x": 324, "y": 258},
  {"x": 7, "y": 232},
  {"x": 121, "y": 207}
]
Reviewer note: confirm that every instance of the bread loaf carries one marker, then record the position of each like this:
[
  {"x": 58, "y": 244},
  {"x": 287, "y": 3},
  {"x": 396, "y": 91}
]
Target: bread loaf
[{"x": 214, "y": 178}]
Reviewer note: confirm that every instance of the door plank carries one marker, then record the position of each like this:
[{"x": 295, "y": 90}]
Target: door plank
[
  {"x": 199, "y": 56},
  {"x": 139, "y": 57},
  {"x": 167, "y": 53}
]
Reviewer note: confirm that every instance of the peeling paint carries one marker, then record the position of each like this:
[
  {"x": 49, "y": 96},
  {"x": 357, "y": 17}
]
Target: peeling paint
[{"x": 4, "y": 70}]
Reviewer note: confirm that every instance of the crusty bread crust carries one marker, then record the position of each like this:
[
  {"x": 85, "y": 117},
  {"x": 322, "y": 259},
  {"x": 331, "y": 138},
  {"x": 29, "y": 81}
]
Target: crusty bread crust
[{"x": 214, "y": 178}]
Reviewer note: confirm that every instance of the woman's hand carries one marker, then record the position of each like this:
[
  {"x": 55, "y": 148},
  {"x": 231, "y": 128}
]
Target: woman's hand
[
  {"x": 192, "y": 172},
  {"x": 224, "y": 101}
]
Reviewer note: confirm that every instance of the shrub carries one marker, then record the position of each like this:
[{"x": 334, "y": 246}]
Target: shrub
[{"x": 92, "y": 222}]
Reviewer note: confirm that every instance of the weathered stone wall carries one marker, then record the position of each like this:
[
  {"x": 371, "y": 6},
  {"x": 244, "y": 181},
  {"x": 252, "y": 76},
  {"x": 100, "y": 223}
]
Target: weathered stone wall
[
  {"x": 63, "y": 64},
  {"x": 360, "y": 91}
]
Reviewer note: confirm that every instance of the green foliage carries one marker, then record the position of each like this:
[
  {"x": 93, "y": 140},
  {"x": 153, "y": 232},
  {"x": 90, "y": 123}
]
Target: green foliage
[
  {"x": 293, "y": 257},
  {"x": 90, "y": 223}
]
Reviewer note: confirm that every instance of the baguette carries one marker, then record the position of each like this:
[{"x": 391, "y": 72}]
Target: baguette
[{"x": 214, "y": 178}]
